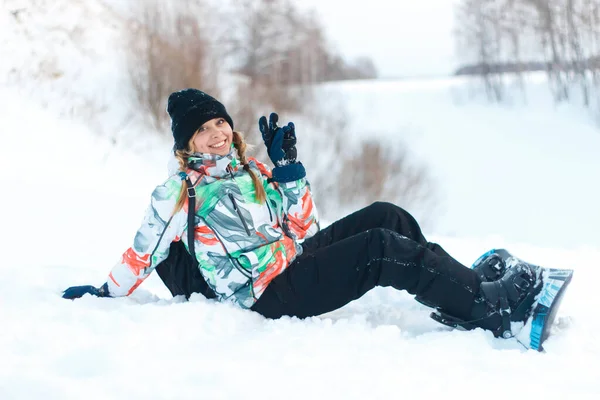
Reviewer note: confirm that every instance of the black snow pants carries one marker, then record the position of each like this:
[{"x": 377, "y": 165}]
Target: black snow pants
[{"x": 380, "y": 245}]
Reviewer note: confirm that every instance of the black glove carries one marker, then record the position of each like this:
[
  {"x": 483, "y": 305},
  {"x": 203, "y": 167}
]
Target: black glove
[
  {"x": 280, "y": 141},
  {"x": 281, "y": 147},
  {"x": 75, "y": 292}
]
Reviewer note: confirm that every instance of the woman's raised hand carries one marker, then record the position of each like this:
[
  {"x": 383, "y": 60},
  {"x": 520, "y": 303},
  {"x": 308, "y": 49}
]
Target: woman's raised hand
[{"x": 280, "y": 141}]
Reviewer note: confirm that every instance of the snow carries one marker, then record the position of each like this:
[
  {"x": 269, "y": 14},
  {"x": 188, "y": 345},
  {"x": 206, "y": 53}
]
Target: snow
[
  {"x": 70, "y": 211},
  {"x": 521, "y": 176},
  {"x": 525, "y": 171}
]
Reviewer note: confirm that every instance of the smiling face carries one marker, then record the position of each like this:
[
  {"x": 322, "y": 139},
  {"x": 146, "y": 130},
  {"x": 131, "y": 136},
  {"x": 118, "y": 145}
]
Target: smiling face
[{"x": 214, "y": 137}]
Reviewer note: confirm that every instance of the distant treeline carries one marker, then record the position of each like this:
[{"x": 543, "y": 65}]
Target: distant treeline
[
  {"x": 532, "y": 66},
  {"x": 497, "y": 36}
]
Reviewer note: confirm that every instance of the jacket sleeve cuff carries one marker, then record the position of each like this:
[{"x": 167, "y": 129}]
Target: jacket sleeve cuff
[
  {"x": 288, "y": 173},
  {"x": 103, "y": 291}
]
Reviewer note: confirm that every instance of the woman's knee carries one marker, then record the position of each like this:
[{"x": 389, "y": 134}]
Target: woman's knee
[
  {"x": 382, "y": 208},
  {"x": 387, "y": 209},
  {"x": 396, "y": 218}
]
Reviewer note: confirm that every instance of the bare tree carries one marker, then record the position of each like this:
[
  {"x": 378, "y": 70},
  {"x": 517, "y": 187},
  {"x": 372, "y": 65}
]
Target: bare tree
[
  {"x": 479, "y": 36},
  {"x": 517, "y": 19},
  {"x": 593, "y": 7},
  {"x": 280, "y": 54},
  {"x": 552, "y": 40},
  {"x": 564, "y": 33},
  {"x": 363, "y": 171},
  {"x": 365, "y": 68},
  {"x": 575, "y": 37},
  {"x": 259, "y": 35},
  {"x": 168, "y": 51}
]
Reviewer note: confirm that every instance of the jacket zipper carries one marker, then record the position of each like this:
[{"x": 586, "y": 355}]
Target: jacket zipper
[
  {"x": 239, "y": 213},
  {"x": 266, "y": 201}
]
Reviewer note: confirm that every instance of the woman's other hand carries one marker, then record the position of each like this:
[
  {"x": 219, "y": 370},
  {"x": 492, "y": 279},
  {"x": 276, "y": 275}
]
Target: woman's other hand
[{"x": 75, "y": 292}]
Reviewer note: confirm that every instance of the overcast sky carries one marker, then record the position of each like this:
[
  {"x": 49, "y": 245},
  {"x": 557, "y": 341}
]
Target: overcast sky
[{"x": 402, "y": 37}]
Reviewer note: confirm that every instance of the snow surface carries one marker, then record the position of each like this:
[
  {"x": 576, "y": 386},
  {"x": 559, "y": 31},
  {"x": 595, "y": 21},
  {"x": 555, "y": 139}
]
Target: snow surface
[
  {"x": 522, "y": 176},
  {"x": 527, "y": 171},
  {"x": 71, "y": 204}
]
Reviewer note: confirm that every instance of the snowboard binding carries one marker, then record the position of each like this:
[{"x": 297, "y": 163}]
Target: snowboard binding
[{"x": 522, "y": 303}]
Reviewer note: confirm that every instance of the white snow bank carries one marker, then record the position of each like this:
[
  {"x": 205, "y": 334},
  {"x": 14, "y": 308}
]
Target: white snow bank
[{"x": 70, "y": 209}]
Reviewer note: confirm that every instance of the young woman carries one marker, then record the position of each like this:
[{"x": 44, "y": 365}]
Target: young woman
[{"x": 255, "y": 240}]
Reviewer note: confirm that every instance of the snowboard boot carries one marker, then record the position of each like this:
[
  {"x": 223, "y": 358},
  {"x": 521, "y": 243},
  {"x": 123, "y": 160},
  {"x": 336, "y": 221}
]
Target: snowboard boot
[
  {"x": 503, "y": 306},
  {"x": 508, "y": 300},
  {"x": 522, "y": 303},
  {"x": 489, "y": 267}
]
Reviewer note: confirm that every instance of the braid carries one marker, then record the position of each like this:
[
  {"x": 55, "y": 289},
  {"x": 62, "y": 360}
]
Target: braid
[
  {"x": 240, "y": 146},
  {"x": 182, "y": 159}
]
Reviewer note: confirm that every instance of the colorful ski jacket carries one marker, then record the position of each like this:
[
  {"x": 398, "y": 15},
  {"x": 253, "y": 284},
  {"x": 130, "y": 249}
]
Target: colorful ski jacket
[{"x": 240, "y": 244}]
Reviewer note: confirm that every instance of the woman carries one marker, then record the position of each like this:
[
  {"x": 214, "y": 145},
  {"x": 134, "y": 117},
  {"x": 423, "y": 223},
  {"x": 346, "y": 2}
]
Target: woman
[{"x": 257, "y": 242}]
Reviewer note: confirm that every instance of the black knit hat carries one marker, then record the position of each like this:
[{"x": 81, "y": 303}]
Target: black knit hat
[{"x": 189, "y": 109}]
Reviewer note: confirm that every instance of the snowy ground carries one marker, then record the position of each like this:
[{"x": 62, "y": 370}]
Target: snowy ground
[
  {"x": 527, "y": 171},
  {"x": 70, "y": 207}
]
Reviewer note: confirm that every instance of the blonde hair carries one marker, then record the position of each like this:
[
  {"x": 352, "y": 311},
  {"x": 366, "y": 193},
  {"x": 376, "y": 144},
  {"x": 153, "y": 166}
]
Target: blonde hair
[{"x": 240, "y": 145}]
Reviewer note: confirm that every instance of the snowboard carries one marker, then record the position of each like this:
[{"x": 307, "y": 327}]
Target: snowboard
[{"x": 546, "y": 303}]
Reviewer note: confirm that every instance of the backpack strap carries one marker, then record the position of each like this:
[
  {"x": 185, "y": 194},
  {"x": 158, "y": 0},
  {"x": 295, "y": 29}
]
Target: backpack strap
[
  {"x": 191, "y": 192},
  {"x": 196, "y": 283}
]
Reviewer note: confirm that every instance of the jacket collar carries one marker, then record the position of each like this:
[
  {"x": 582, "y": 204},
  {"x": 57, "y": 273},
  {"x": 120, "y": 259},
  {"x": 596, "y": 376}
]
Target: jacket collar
[{"x": 212, "y": 165}]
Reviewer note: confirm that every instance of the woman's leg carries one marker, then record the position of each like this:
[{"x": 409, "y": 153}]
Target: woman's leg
[
  {"x": 377, "y": 215},
  {"x": 332, "y": 276}
]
